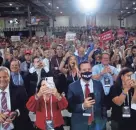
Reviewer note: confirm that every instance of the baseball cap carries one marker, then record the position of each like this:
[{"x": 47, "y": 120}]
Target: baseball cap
[{"x": 28, "y": 52}]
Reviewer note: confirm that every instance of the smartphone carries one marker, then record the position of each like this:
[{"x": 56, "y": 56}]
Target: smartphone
[
  {"x": 133, "y": 76},
  {"x": 50, "y": 82},
  {"x": 12, "y": 115},
  {"x": 91, "y": 95}
]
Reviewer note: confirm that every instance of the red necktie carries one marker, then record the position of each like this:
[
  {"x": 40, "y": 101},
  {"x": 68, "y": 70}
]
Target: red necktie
[
  {"x": 87, "y": 92},
  {"x": 4, "y": 108}
]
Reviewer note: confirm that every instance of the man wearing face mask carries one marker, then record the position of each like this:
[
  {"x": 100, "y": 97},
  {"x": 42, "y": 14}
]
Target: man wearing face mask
[{"x": 85, "y": 98}]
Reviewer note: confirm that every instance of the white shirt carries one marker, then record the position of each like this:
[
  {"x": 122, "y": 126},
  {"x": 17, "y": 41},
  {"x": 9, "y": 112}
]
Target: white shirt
[
  {"x": 8, "y": 104},
  {"x": 46, "y": 63},
  {"x": 90, "y": 86}
]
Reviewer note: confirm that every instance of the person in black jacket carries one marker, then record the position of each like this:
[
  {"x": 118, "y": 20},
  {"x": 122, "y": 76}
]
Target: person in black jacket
[
  {"x": 36, "y": 73},
  {"x": 1, "y": 60}
]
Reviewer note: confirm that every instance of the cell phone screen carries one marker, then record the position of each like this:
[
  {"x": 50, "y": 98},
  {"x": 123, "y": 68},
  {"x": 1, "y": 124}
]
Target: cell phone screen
[
  {"x": 91, "y": 95},
  {"x": 133, "y": 76}
]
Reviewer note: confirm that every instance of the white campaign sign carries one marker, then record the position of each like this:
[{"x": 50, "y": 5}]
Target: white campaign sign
[
  {"x": 70, "y": 36},
  {"x": 15, "y": 38}
]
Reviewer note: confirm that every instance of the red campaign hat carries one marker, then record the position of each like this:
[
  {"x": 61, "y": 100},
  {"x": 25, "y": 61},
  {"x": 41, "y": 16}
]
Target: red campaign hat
[{"x": 28, "y": 52}]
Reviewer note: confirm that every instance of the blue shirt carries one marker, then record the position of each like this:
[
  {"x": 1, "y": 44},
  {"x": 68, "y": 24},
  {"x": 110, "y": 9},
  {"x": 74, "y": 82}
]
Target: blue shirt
[
  {"x": 85, "y": 57},
  {"x": 97, "y": 69},
  {"x": 17, "y": 79}
]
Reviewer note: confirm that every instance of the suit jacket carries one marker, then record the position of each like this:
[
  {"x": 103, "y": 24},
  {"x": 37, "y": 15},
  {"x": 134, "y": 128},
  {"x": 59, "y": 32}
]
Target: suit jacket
[
  {"x": 18, "y": 99},
  {"x": 76, "y": 99},
  {"x": 32, "y": 79},
  {"x": 38, "y": 106}
]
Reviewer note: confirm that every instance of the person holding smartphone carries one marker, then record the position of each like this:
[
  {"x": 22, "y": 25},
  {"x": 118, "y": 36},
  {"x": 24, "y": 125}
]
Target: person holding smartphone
[
  {"x": 85, "y": 97},
  {"x": 123, "y": 96},
  {"x": 47, "y": 104}
]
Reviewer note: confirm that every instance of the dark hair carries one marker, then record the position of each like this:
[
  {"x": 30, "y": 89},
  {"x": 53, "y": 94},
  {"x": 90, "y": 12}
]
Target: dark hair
[
  {"x": 16, "y": 60},
  {"x": 84, "y": 62},
  {"x": 133, "y": 47},
  {"x": 36, "y": 57},
  {"x": 124, "y": 71},
  {"x": 39, "y": 84}
]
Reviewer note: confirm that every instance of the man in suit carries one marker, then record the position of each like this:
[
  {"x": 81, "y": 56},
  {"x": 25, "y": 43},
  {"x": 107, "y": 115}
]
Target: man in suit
[
  {"x": 88, "y": 113},
  {"x": 16, "y": 77},
  {"x": 13, "y": 112}
]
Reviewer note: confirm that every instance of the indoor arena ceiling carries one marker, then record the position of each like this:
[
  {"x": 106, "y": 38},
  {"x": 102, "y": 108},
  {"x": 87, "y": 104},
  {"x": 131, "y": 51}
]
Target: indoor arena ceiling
[{"x": 63, "y": 7}]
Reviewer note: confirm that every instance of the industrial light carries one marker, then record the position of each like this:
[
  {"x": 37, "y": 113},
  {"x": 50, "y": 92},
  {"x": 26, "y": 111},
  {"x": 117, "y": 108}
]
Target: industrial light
[
  {"x": 57, "y": 7},
  {"x": 61, "y": 12},
  {"x": 134, "y": 3},
  {"x": 49, "y": 3},
  {"x": 10, "y": 4},
  {"x": 11, "y": 21},
  {"x": 88, "y": 5},
  {"x": 126, "y": 7},
  {"x": 128, "y": 12},
  {"x": 17, "y": 8},
  {"x": 121, "y": 11},
  {"x": 134, "y": 8}
]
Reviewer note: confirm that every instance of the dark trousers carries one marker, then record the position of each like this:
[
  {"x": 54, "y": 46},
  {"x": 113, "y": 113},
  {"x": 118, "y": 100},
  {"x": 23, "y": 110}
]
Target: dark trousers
[{"x": 57, "y": 128}]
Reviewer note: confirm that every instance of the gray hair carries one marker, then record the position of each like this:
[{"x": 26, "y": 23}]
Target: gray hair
[{"x": 5, "y": 69}]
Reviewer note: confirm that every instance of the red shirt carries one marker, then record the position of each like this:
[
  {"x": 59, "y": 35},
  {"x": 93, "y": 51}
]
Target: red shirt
[{"x": 38, "y": 106}]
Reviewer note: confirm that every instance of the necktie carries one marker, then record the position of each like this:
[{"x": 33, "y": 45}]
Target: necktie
[
  {"x": 87, "y": 92},
  {"x": 4, "y": 108}
]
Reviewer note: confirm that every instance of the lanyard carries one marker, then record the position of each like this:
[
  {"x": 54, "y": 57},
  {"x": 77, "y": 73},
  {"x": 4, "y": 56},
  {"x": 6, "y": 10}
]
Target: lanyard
[
  {"x": 128, "y": 98},
  {"x": 73, "y": 78},
  {"x": 50, "y": 108},
  {"x": 19, "y": 78},
  {"x": 57, "y": 62}
]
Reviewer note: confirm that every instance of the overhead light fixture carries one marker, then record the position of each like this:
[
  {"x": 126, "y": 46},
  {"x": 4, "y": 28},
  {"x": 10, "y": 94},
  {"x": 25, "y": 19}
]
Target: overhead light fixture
[
  {"x": 126, "y": 7},
  {"x": 134, "y": 8},
  {"x": 10, "y": 21},
  {"x": 61, "y": 12},
  {"x": 134, "y": 3},
  {"x": 88, "y": 6},
  {"x": 57, "y": 7},
  {"x": 128, "y": 12},
  {"x": 49, "y": 3},
  {"x": 10, "y": 4},
  {"x": 17, "y": 8},
  {"x": 121, "y": 11}
]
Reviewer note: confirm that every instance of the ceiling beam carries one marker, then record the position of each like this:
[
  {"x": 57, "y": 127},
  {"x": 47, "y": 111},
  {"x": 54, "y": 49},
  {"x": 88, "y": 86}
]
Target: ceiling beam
[{"x": 37, "y": 8}]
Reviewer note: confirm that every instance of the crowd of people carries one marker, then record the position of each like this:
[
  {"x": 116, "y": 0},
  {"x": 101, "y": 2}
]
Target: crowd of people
[{"x": 87, "y": 77}]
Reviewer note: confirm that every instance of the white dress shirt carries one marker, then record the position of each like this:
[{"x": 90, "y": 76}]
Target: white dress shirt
[
  {"x": 83, "y": 85},
  {"x": 46, "y": 63},
  {"x": 8, "y": 104}
]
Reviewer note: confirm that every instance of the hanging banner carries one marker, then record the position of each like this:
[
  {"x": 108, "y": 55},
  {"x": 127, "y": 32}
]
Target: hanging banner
[
  {"x": 70, "y": 36},
  {"x": 121, "y": 33},
  {"x": 107, "y": 36}
]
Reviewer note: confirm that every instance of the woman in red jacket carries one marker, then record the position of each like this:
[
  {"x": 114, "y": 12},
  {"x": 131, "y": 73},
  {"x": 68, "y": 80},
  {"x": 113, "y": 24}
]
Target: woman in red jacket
[{"x": 47, "y": 104}]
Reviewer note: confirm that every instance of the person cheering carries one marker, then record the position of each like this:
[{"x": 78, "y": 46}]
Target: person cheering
[
  {"x": 47, "y": 104},
  {"x": 85, "y": 98}
]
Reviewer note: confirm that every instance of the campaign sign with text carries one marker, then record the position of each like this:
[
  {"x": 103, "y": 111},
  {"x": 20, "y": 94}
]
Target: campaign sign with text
[
  {"x": 70, "y": 36},
  {"x": 15, "y": 38},
  {"x": 121, "y": 33},
  {"x": 107, "y": 36}
]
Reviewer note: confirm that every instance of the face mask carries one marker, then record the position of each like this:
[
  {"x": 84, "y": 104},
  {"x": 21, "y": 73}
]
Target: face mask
[{"x": 86, "y": 75}]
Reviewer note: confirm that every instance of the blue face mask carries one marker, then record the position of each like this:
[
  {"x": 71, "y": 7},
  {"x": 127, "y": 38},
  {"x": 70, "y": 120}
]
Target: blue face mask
[{"x": 86, "y": 75}]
